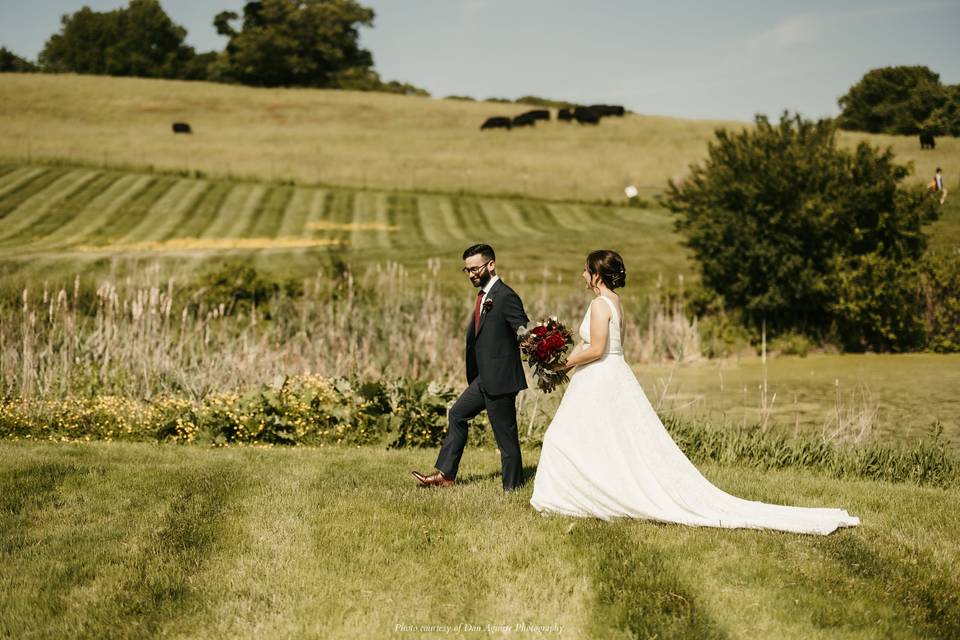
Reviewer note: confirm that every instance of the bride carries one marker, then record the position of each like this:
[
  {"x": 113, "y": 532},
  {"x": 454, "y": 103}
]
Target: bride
[{"x": 607, "y": 455}]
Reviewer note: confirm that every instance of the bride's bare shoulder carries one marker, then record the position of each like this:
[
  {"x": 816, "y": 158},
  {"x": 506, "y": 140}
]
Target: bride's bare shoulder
[{"x": 597, "y": 306}]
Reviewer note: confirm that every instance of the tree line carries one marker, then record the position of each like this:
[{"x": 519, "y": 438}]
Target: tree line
[{"x": 272, "y": 43}]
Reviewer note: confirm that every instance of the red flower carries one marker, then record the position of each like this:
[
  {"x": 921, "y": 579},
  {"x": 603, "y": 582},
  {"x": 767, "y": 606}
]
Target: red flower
[{"x": 539, "y": 331}]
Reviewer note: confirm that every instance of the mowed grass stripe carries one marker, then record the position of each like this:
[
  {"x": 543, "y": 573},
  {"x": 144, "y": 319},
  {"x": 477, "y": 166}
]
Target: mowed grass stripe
[
  {"x": 167, "y": 212},
  {"x": 338, "y": 207},
  {"x": 432, "y": 223},
  {"x": 17, "y": 179},
  {"x": 403, "y": 221},
  {"x": 28, "y": 189},
  {"x": 98, "y": 211},
  {"x": 505, "y": 215},
  {"x": 538, "y": 216},
  {"x": 133, "y": 213},
  {"x": 63, "y": 213},
  {"x": 204, "y": 212},
  {"x": 303, "y": 205},
  {"x": 474, "y": 219},
  {"x": 569, "y": 217},
  {"x": 453, "y": 222},
  {"x": 369, "y": 210},
  {"x": 5, "y": 170},
  {"x": 235, "y": 212},
  {"x": 269, "y": 216},
  {"x": 27, "y": 218}
]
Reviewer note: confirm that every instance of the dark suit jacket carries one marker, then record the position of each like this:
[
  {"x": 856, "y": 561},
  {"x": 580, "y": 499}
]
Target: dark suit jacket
[{"x": 493, "y": 354}]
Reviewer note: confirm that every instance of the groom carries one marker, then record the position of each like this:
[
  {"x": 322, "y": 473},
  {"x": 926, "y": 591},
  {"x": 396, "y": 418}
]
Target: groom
[{"x": 494, "y": 373}]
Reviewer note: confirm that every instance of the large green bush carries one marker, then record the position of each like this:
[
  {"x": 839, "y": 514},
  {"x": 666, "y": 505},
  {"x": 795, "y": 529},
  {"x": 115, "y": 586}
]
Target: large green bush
[{"x": 792, "y": 230}]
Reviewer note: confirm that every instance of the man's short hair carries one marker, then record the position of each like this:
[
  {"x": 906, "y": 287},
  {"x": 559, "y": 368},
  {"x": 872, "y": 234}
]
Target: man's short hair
[{"x": 485, "y": 251}]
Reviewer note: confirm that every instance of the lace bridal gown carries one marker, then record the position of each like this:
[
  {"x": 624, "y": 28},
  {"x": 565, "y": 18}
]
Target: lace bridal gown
[{"x": 607, "y": 455}]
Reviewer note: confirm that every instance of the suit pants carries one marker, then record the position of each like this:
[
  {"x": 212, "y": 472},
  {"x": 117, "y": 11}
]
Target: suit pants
[{"x": 502, "y": 411}]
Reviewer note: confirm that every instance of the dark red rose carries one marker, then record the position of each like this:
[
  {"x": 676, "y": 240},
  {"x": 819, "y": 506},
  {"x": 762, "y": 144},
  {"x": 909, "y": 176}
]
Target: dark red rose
[{"x": 539, "y": 331}]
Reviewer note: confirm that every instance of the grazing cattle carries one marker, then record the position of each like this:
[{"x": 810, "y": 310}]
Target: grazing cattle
[
  {"x": 927, "y": 141},
  {"x": 181, "y": 127},
  {"x": 524, "y": 120},
  {"x": 586, "y": 115},
  {"x": 496, "y": 122},
  {"x": 565, "y": 115},
  {"x": 537, "y": 114}
]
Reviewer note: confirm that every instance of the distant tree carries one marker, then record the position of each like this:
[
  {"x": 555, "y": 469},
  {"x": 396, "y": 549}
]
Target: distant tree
[
  {"x": 361, "y": 79},
  {"x": 945, "y": 119},
  {"x": 896, "y": 100},
  {"x": 790, "y": 229},
  {"x": 311, "y": 43},
  {"x": 537, "y": 101},
  {"x": 9, "y": 61},
  {"x": 139, "y": 40}
]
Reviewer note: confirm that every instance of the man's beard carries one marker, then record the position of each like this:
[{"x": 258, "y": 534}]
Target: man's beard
[{"x": 484, "y": 279}]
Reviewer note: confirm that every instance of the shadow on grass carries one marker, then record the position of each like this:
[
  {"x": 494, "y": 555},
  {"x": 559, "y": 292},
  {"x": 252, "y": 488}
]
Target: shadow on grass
[
  {"x": 912, "y": 585},
  {"x": 637, "y": 594}
]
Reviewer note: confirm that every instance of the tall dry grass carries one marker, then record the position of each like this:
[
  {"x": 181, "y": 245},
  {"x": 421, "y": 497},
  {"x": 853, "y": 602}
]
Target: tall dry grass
[{"x": 145, "y": 336}]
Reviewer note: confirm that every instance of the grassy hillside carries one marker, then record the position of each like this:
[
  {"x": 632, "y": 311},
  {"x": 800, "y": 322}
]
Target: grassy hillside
[
  {"x": 359, "y": 139},
  {"x": 134, "y": 540}
]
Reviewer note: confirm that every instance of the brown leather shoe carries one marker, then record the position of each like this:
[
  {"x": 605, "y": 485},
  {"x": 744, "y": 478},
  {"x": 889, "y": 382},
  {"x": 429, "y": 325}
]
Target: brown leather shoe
[{"x": 436, "y": 479}]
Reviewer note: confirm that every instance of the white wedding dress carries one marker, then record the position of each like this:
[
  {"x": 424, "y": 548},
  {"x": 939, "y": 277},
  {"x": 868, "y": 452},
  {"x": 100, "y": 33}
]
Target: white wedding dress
[{"x": 607, "y": 455}]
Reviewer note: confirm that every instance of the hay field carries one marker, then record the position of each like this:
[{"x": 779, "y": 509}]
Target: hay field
[
  {"x": 357, "y": 139},
  {"x": 59, "y": 221}
]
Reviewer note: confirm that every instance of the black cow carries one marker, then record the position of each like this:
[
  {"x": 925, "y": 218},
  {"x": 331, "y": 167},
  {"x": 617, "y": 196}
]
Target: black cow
[
  {"x": 496, "y": 122},
  {"x": 927, "y": 141},
  {"x": 586, "y": 115},
  {"x": 181, "y": 127},
  {"x": 565, "y": 114},
  {"x": 609, "y": 110},
  {"x": 537, "y": 114},
  {"x": 524, "y": 120}
]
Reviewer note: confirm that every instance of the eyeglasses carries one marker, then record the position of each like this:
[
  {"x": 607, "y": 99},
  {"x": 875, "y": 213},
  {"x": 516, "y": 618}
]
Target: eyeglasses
[{"x": 475, "y": 270}]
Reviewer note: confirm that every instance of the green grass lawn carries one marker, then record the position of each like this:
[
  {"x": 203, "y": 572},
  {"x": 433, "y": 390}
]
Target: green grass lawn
[{"x": 134, "y": 540}]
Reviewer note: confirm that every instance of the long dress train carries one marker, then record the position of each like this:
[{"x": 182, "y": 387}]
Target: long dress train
[{"x": 606, "y": 454}]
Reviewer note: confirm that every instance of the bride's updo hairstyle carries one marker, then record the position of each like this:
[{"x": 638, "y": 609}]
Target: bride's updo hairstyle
[{"x": 609, "y": 266}]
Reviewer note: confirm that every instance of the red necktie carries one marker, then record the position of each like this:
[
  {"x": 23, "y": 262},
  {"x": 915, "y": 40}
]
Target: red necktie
[{"x": 476, "y": 313}]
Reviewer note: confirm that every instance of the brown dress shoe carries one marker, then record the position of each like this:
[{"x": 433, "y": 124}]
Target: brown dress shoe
[{"x": 436, "y": 479}]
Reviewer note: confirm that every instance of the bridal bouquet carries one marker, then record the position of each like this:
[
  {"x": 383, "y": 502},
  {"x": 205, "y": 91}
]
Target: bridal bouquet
[{"x": 543, "y": 347}]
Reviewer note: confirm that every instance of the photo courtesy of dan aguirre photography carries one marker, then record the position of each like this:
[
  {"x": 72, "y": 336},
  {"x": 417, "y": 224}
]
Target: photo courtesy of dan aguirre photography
[{"x": 407, "y": 319}]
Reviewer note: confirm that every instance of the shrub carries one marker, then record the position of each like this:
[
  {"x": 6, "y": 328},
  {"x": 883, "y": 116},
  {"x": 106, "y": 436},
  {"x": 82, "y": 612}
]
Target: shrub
[
  {"x": 939, "y": 281},
  {"x": 790, "y": 229},
  {"x": 790, "y": 344}
]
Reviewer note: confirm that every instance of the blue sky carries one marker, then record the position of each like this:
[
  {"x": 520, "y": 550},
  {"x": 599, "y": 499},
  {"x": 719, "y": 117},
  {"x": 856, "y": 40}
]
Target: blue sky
[{"x": 699, "y": 60}]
